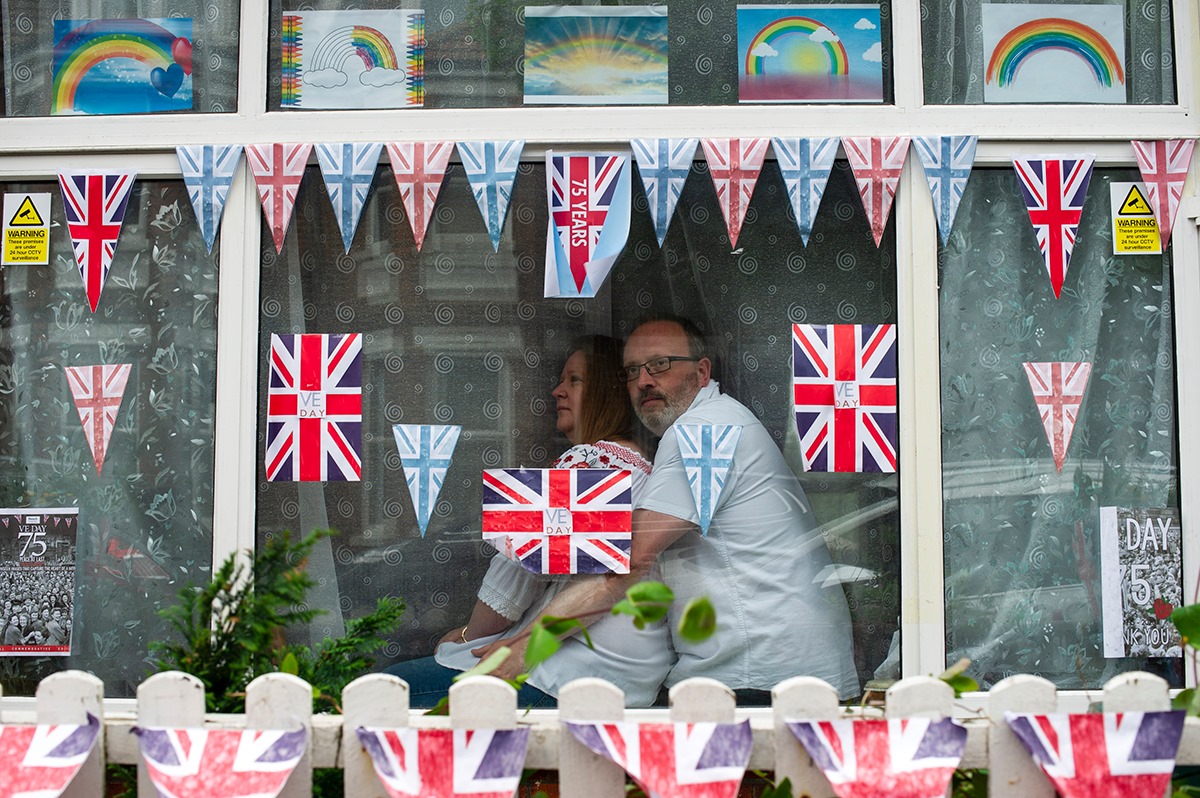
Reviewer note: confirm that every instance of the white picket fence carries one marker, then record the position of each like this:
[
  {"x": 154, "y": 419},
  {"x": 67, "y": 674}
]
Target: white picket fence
[{"x": 280, "y": 701}]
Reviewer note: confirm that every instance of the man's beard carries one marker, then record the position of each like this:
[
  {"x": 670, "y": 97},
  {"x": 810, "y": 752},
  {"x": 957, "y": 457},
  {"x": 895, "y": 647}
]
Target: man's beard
[{"x": 659, "y": 421}]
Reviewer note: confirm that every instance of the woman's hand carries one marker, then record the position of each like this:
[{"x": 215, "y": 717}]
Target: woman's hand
[
  {"x": 514, "y": 665},
  {"x": 455, "y": 635}
]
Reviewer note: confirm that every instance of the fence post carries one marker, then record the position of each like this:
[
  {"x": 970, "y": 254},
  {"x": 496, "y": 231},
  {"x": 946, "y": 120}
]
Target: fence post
[
  {"x": 801, "y": 698},
  {"x": 483, "y": 702},
  {"x": 67, "y": 698},
  {"x": 1136, "y": 692},
  {"x": 581, "y": 772},
  {"x": 1012, "y": 773},
  {"x": 171, "y": 700},
  {"x": 700, "y": 700},
  {"x": 377, "y": 700},
  {"x": 281, "y": 701},
  {"x": 920, "y": 697}
]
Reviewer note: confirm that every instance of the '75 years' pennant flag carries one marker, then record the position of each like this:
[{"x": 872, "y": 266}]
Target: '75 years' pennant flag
[
  {"x": 805, "y": 165},
  {"x": 425, "y": 452},
  {"x": 1164, "y": 166},
  {"x": 97, "y": 391},
  {"x": 1058, "y": 390},
  {"x": 947, "y": 161},
  {"x": 220, "y": 763},
  {"x": 41, "y": 761},
  {"x": 491, "y": 168},
  {"x": 664, "y": 165},
  {"x": 674, "y": 760},
  {"x": 1103, "y": 754},
  {"x": 349, "y": 170},
  {"x": 1054, "y": 190},
  {"x": 845, "y": 396},
  {"x": 909, "y": 758},
  {"x": 208, "y": 173},
  {"x": 734, "y": 165},
  {"x": 278, "y": 170},
  {"x": 589, "y": 220},
  {"x": 560, "y": 520},
  {"x": 707, "y": 451},
  {"x": 419, "y": 167},
  {"x": 876, "y": 163},
  {"x": 314, "y": 408},
  {"x": 447, "y": 763},
  {"x": 94, "y": 203}
]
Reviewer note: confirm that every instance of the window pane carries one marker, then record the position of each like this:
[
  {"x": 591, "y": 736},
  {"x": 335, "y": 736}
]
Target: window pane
[{"x": 1022, "y": 540}]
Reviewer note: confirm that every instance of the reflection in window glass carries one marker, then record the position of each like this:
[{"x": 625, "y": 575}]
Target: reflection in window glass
[{"x": 1022, "y": 557}]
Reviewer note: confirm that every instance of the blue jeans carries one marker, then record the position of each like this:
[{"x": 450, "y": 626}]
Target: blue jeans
[{"x": 429, "y": 682}]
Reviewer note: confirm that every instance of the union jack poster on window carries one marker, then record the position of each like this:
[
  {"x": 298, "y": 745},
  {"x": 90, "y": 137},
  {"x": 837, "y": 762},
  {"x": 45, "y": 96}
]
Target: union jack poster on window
[
  {"x": 220, "y": 763},
  {"x": 1058, "y": 390},
  {"x": 845, "y": 396},
  {"x": 419, "y": 167},
  {"x": 94, "y": 204},
  {"x": 278, "y": 170},
  {"x": 734, "y": 165},
  {"x": 1054, "y": 190},
  {"x": 40, "y": 761},
  {"x": 707, "y": 452},
  {"x": 445, "y": 763},
  {"x": 674, "y": 760},
  {"x": 912, "y": 758},
  {"x": 560, "y": 520},
  {"x": 589, "y": 220},
  {"x": 1103, "y": 754},
  {"x": 1164, "y": 166},
  {"x": 877, "y": 164},
  {"x": 97, "y": 391},
  {"x": 314, "y": 408}
]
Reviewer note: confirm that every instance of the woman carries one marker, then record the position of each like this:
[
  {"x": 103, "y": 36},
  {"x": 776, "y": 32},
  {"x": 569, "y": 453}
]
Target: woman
[{"x": 593, "y": 412}]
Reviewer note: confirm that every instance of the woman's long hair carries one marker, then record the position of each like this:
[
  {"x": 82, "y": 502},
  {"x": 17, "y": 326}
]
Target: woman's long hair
[{"x": 607, "y": 413}]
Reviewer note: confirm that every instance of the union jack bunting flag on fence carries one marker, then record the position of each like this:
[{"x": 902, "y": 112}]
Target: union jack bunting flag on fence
[
  {"x": 349, "y": 171},
  {"x": 1164, "y": 166},
  {"x": 664, "y": 165},
  {"x": 419, "y": 168},
  {"x": 314, "y": 408},
  {"x": 560, "y": 520},
  {"x": 913, "y": 758},
  {"x": 1054, "y": 190},
  {"x": 674, "y": 760},
  {"x": 845, "y": 396},
  {"x": 445, "y": 763},
  {"x": 97, "y": 391},
  {"x": 707, "y": 452},
  {"x": 1103, "y": 754},
  {"x": 425, "y": 452},
  {"x": 208, "y": 171},
  {"x": 1058, "y": 390},
  {"x": 947, "y": 161},
  {"x": 734, "y": 165},
  {"x": 805, "y": 165},
  {"x": 220, "y": 763},
  {"x": 94, "y": 204},
  {"x": 40, "y": 761},
  {"x": 491, "y": 168},
  {"x": 877, "y": 163},
  {"x": 278, "y": 170},
  {"x": 589, "y": 220}
]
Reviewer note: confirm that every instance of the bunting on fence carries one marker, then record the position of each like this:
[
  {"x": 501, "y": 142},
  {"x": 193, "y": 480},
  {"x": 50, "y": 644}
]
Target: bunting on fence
[
  {"x": 419, "y": 168},
  {"x": 877, "y": 163},
  {"x": 707, "y": 451},
  {"x": 673, "y": 760},
  {"x": 947, "y": 161},
  {"x": 220, "y": 763},
  {"x": 1058, "y": 390},
  {"x": 1102, "y": 754},
  {"x": 208, "y": 171},
  {"x": 1054, "y": 190},
  {"x": 349, "y": 170},
  {"x": 909, "y": 758},
  {"x": 560, "y": 520},
  {"x": 734, "y": 165},
  {"x": 491, "y": 168},
  {"x": 844, "y": 389},
  {"x": 94, "y": 204},
  {"x": 425, "y": 452},
  {"x": 1164, "y": 166},
  {"x": 445, "y": 763},
  {"x": 664, "y": 165},
  {"x": 278, "y": 170},
  {"x": 806, "y": 165},
  {"x": 314, "y": 408},
  {"x": 97, "y": 391},
  {"x": 589, "y": 220},
  {"x": 42, "y": 760}
]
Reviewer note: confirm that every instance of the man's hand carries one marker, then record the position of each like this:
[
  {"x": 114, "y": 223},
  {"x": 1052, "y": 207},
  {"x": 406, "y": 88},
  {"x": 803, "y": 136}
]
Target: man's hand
[{"x": 515, "y": 664}]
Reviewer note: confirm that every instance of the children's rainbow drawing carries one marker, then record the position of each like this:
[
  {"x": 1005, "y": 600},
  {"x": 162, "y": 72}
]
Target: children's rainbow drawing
[
  {"x": 121, "y": 66},
  {"x": 839, "y": 63},
  {"x": 1054, "y": 33},
  {"x": 292, "y": 39},
  {"x": 416, "y": 60}
]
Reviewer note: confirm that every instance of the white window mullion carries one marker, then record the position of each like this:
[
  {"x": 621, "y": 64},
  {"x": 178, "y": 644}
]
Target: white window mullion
[{"x": 907, "y": 72}]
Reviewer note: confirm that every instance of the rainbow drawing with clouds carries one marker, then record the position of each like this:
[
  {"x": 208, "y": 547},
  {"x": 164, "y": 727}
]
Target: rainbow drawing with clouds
[
  {"x": 1054, "y": 33},
  {"x": 839, "y": 63}
]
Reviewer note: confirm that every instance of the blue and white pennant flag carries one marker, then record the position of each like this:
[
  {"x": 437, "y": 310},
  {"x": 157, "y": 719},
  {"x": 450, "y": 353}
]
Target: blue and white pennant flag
[
  {"x": 947, "y": 161},
  {"x": 425, "y": 452},
  {"x": 707, "y": 454},
  {"x": 208, "y": 172},
  {"x": 664, "y": 165},
  {"x": 349, "y": 170},
  {"x": 491, "y": 168},
  {"x": 805, "y": 165}
]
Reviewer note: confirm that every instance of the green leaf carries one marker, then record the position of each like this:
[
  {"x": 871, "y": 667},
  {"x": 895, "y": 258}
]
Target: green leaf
[
  {"x": 1184, "y": 699},
  {"x": 290, "y": 665},
  {"x": 650, "y": 593},
  {"x": 542, "y": 646},
  {"x": 699, "y": 620},
  {"x": 781, "y": 790},
  {"x": 484, "y": 667},
  {"x": 961, "y": 684},
  {"x": 647, "y": 602},
  {"x": 1187, "y": 621}
]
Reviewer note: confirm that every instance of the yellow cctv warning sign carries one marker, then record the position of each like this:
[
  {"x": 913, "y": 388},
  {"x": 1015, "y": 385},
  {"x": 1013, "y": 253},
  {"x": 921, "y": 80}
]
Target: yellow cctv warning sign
[
  {"x": 26, "y": 229},
  {"x": 1135, "y": 230},
  {"x": 26, "y": 215}
]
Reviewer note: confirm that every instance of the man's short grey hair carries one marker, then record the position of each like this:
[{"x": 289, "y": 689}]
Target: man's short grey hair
[{"x": 697, "y": 340}]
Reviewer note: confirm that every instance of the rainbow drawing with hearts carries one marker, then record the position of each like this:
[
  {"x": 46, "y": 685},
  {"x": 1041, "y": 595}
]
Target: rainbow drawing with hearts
[{"x": 122, "y": 66}]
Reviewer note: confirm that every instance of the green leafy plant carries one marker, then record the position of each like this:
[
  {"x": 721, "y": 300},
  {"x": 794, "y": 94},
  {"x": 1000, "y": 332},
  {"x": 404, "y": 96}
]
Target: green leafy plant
[
  {"x": 956, "y": 677},
  {"x": 1187, "y": 622}
]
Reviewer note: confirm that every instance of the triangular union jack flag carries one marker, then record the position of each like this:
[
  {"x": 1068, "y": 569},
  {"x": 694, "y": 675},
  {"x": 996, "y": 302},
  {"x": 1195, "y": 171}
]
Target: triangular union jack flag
[
  {"x": 1058, "y": 390},
  {"x": 560, "y": 520},
  {"x": 734, "y": 165},
  {"x": 278, "y": 170},
  {"x": 425, "y": 452},
  {"x": 208, "y": 171},
  {"x": 94, "y": 203},
  {"x": 314, "y": 408},
  {"x": 1054, "y": 191},
  {"x": 913, "y": 758},
  {"x": 844, "y": 386},
  {"x": 349, "y": 171},
  {"x": 419, "y": 167},
  {"x": 664, "y": 165},
  {"x": 805, "y": 165},
  {"x": 97, "y": 391},
  {"x": 947, "y": 161},
  {"x": 491, "y": 168},
  {"x": 1103, "y": 754},
  {"x": 1164, "y": 166},
  {"x": 220, "y": 763},
  {"x": 674, "y": 760},
  {"x": 707, "y": 453},
  {"x": 589, "y": 220},
  {"x": 447, "y": 763},
  {"x": 876, "y": 163},
  {"x": 40, "y": 761}
]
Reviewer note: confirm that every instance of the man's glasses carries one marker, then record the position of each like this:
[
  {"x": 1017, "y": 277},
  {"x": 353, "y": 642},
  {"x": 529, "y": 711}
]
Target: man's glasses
[{"x": 656, "y": 366}]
